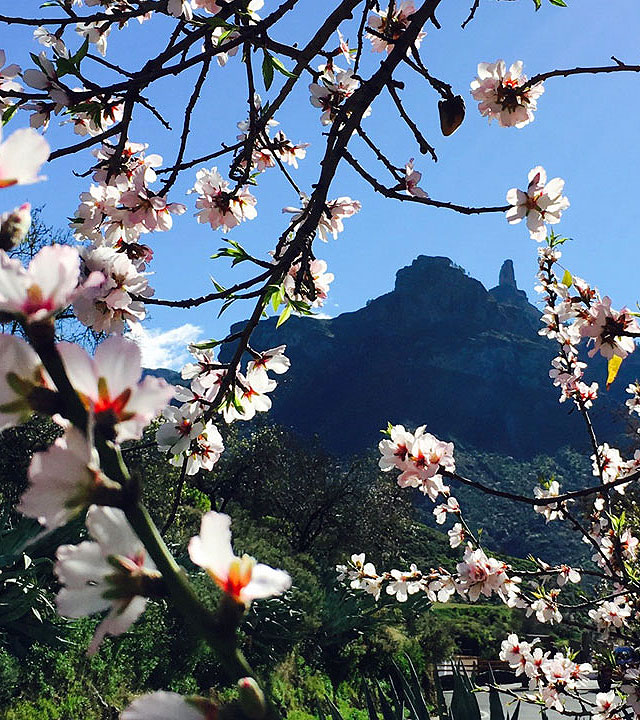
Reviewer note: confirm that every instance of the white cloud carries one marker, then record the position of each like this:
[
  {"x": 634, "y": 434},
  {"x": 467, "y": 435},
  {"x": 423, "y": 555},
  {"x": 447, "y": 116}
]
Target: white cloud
[
  {"x": 321, "y": 316},
  {"x": 165, "y": 348}
]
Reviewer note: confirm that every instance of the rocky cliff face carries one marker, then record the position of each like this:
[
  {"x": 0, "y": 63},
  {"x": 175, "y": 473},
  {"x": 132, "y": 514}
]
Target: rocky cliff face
[{"x": 439, "y": 349}]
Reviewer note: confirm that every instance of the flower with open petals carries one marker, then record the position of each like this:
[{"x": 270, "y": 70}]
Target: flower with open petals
[
  {"x": 542, "y": 203},
  {"x": 110, "y": 388},
  {"x": 47, "y": 286},
  {"x": 22, "y": 155},
  {"x": 163, "y": 705},
  {"x": 239, "y": 577},
  {"x": 502, "y": 94},
  {"x": 22, "y": 373},
  {"x": 63, "y": 480},
  {"x": 101, "y": 575}
]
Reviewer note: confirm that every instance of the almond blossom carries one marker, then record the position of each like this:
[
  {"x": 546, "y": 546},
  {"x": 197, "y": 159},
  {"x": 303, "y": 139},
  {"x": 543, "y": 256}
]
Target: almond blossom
[
  {"x": 391, "y": 28},
  {"x": 7, "y": 81},
  {"x": 250, "y": 396},
  {"x": 101, "y": 575},
  {"x": 21, "y": 377},
  {"x": 110, "y": 388},
  {"x": 330, "y": 223},
  {"x": 333, "y": 87},
  {"x": 14, "y": 226},
  {"x": 502, "y": 94},
  {"x": 180, "y": 8},
  {"x": 611, "y": 614},
  {"x": 542, "y": 203},
  {"x": 204, "y": 450},
  {"x": 239, "y": 577},
  {"x": 321, "y": 281},
  {"x": 182, "y": 425},
  {"x": 22, "y": 155},
  {"x": 606, "y": 704},
  {"x": 108, "y": 305},
  {"x": 411, "y": 179},
  {"x": 604, "y": 327},
  {"x": 274, "y": 360},
  {"x": 551, "y": 511},
  {"x": 217, "y": 205},
  {"x": 64, "y": 480},
  {"x": 456, "y": 535},
  {"x": 163, "y": 705},
  {"x": 481, "y": 575},
  {"x": 48, "y": 285}
]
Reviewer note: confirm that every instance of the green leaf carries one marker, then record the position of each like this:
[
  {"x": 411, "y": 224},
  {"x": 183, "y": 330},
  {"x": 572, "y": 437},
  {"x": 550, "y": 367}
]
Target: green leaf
[
  {"x": 495, "y": 706},
  {"x": 207, "y": 345},
  {"x": 567, "y": 279},
  {"x": 65, "y": 67},
  {"x": 558, "y": 3},
  {"x": 267, "y": 70},
  {"x": 9, "y": 113},
  {"x": 538, "y": 4},
  {"x": 277, "y": 64},
  {"x": 284, "y": 315},
  {"x": 81, "y": 54}
]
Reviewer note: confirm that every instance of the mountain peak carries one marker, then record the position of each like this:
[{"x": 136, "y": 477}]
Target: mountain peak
[{"x": 507, "y": 277}]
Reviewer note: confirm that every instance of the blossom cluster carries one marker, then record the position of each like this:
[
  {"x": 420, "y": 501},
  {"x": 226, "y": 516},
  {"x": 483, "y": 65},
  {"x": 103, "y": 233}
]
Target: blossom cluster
[
  {"x": 188, "y": 434},
  {"x": 552, "y": 677}
]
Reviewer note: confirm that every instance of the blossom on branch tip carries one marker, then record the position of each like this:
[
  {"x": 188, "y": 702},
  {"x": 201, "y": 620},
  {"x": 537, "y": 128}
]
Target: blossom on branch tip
[
  {"x": 105, "y": 574},
  {"x": 239, "y": 577},
  {"x": 542, "y": 203},
  {"x": 502, "y": 94}
]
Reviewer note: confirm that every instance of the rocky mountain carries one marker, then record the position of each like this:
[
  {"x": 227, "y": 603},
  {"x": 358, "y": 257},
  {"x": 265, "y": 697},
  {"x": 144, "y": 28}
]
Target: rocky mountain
[{"x": 439, "y": 349}]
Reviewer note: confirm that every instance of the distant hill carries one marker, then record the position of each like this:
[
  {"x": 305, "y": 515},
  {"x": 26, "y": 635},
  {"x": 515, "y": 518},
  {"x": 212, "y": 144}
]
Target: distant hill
[{"x": 439, "y": 349}]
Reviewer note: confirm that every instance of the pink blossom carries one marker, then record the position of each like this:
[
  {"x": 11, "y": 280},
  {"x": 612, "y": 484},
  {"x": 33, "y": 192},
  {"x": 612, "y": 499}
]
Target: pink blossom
[
  {"x": 392, "y": 28},
  {"x": 63, "y": 480},
  {"x": 604, "y": 325},
  {"x": 107, "y": 305},
  {"x": 217, "y": 205},
  {"x": 321, "y": 280},
  {"x": 411, "y": 180},
  {"x": 500, "y": 94},
  {"x": 47, "y": 286}
]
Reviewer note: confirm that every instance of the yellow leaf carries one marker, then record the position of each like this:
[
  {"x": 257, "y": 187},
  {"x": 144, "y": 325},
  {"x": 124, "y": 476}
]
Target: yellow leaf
[
  {"x": 613, "y": 367},
  {"x": 567, "y": 279}
]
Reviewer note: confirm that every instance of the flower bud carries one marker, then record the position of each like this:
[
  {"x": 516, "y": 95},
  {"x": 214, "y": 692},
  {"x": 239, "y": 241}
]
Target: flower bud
[
  {"x": 451, "y": 114},
  {"x": 251, "y": 698},
  {"x": 14, "y": 226}
]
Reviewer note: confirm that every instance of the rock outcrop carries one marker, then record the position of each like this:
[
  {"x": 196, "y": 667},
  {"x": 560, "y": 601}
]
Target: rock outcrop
[{"x": 439, "y": 349}]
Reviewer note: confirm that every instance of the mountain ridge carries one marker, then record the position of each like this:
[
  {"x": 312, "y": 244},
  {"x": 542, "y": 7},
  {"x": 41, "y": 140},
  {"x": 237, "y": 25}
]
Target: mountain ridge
[{"x": 438, "y": 349}]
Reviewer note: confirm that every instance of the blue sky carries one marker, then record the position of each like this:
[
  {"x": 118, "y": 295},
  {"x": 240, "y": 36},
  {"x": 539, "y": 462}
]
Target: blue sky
[{"x": 585, "y": 131}]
